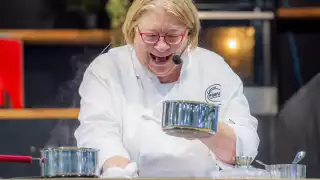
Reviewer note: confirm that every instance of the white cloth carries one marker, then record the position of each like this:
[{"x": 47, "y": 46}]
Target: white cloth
[
  {"x": 120, "y": 112},
  {"x": 130, "y": 171}
]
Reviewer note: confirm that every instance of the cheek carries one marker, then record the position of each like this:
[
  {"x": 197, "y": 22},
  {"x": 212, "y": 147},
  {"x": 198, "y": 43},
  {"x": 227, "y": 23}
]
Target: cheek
[
  {"x": 177, "y": 49},
  {"x": 180, "y": 48},
  {"x": 141, "y": 49},
  {"x": 185, "y": 41}
]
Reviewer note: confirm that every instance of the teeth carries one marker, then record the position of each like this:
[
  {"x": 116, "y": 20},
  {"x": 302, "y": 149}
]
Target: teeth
[{"x": 160, "y": 59}]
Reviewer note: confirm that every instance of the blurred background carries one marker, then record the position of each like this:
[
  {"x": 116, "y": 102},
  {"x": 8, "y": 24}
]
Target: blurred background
[{"x": 45, "y": 46}]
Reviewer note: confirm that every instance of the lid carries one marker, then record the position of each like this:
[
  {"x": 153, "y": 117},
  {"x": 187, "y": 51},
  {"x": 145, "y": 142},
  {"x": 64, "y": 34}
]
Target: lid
[
  {"x": 188, "y": 102},
  {"x": 66, "y": 148}
]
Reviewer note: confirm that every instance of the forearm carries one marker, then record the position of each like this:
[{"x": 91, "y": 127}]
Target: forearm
[
  {"x": 95, "y": 135},
  {"x": 223, "y": 143}
]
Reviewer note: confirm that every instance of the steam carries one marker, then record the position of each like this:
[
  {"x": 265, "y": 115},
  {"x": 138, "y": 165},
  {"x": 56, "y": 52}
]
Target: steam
[{"x": 62, "y": 134}]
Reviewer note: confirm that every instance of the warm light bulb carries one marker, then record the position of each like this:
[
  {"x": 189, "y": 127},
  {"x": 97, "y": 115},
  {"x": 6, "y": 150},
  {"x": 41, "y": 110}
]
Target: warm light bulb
[{"x": 232, "y": 44}]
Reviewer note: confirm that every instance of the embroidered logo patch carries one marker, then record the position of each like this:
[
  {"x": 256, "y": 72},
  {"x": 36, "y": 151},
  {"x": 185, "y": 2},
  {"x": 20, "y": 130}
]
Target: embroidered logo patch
[{"x": 213, "y": 93}]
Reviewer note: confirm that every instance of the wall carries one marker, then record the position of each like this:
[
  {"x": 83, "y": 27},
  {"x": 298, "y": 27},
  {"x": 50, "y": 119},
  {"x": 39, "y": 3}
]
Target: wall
[
  {"x": 45, "y": 14},
  {"x": 305, "y": 34},
  {"x": 49, "y": 82}
]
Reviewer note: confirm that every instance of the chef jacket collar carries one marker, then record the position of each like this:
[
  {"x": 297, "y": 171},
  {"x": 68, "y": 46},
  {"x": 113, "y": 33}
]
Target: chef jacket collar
[{"x": 145, "y": 72}]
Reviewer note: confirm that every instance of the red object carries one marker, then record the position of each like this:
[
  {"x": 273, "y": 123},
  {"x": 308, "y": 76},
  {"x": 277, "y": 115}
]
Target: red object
[
  {"x": 11, "y": 72},
  {"x": 12, "y": 158},
  {"x": 1, "y": 91}
]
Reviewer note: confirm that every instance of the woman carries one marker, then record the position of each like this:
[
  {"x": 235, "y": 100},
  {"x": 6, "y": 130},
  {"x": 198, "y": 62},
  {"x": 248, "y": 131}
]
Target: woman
[{"x": 122, "y": 91}]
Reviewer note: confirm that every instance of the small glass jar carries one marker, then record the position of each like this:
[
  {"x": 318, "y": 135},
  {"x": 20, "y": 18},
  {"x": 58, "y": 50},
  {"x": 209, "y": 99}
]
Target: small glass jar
[{"x": 244, "y": 170}]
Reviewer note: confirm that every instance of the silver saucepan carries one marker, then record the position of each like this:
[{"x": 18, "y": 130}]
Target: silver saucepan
[
  {"x": 287, "y": 170},
  {"x": 189, "y": 119},
  {"x": 63, "y": 162},
  {"x": 291, "y": 171}
]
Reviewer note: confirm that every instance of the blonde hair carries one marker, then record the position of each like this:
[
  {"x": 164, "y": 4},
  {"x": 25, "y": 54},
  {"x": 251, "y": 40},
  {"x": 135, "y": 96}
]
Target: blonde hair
[{"x": 184, "y": 10}]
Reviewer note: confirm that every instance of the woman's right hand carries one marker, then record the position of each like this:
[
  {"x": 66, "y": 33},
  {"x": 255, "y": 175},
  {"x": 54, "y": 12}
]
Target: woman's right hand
[
  {"x": 116, "y": 161},
  {"x": 119, "y": 167}
]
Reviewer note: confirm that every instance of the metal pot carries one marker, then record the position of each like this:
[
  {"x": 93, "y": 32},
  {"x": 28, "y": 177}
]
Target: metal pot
[
  {"x": 63, "y": 162},
  {"x": 287, "y": 170},
  {"x": 189, "y": 119}
]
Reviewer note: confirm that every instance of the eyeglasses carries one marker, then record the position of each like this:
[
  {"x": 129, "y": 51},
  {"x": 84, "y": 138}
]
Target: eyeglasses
[{"x": 153, "y": 38}]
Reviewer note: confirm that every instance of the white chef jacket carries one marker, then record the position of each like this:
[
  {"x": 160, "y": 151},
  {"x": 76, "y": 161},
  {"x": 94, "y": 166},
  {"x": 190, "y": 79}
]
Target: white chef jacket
[{"x": 121, "y": 108}]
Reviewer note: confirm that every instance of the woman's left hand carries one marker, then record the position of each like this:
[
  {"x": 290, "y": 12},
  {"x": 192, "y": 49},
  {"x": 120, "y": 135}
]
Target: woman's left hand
[{"x": 223, "y": 143}]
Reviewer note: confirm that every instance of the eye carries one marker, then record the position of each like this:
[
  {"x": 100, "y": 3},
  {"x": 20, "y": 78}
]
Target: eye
[
  {"x": 172, "y": 39},
  {"x": 172, "y": 36},
  {"x": 150, "y": 35}
]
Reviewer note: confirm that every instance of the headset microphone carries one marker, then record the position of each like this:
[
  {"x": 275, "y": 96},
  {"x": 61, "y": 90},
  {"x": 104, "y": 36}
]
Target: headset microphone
[{"x": 176, "y": 59}]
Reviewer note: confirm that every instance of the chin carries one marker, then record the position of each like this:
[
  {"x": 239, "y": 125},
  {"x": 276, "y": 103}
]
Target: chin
[{"x": 161, "y": 73}]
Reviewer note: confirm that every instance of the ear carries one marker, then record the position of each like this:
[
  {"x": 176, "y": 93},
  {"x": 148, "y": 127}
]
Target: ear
[
  {"x": 189, "y": 38},
  {"x": 189, "y": 32}
]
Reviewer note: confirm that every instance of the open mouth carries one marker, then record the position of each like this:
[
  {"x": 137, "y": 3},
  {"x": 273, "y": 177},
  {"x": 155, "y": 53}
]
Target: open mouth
[{"x": 160, "y": 60}]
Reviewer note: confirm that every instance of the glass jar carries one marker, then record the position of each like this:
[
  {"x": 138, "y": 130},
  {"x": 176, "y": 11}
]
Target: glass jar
[{"x": 243, "y": 169}]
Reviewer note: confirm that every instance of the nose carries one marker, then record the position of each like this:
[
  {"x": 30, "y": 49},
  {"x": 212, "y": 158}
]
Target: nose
[{"x": 161, "y": 45}]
